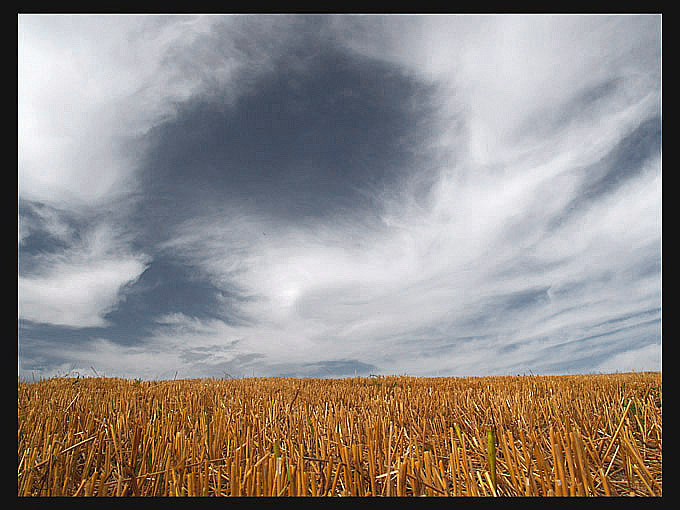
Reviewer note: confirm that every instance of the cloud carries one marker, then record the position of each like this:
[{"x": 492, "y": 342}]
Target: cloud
[
  {"x": 503, "y": 71},
  {"x": 79, "y": 286},
  {"x": 498, "y": 256},
  {"x": 41, "y": 220},
  {"x": 403, "y": 293},
  {"x": 647, "y": 358},
  {"x": 64, "y": 153},
  {"x": 399, "y": 194},
  {"x": 86, "y": 84},
  {"x": 102, "y": 357}
]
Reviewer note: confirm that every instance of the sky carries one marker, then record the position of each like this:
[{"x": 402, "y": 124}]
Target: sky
[{"x": 208, "y": 196}]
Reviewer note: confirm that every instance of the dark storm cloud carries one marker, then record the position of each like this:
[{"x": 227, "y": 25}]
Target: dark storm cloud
[{"x": 323, "y": 133}]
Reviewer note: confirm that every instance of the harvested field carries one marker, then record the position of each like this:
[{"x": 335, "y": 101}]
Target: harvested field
[{"x": 579, "y": 435}]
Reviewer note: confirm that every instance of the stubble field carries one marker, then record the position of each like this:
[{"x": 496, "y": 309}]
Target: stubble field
[{"x": 579, "y": 435}]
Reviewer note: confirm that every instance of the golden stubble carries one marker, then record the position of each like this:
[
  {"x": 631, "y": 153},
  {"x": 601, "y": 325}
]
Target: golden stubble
[{"x": 579, "y": 435}]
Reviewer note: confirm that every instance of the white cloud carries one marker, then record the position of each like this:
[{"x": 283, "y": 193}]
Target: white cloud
[
  {"x": 86, "y": 84},
  {"x": 647, "y": 358},
  {"x": 504, "y": 69},
  {"x": 76, "y": 295},
  {"x": 78, "y": 287}
]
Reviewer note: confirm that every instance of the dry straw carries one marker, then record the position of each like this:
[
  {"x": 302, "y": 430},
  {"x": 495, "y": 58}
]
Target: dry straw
[{"x": 585, "y": 435}]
